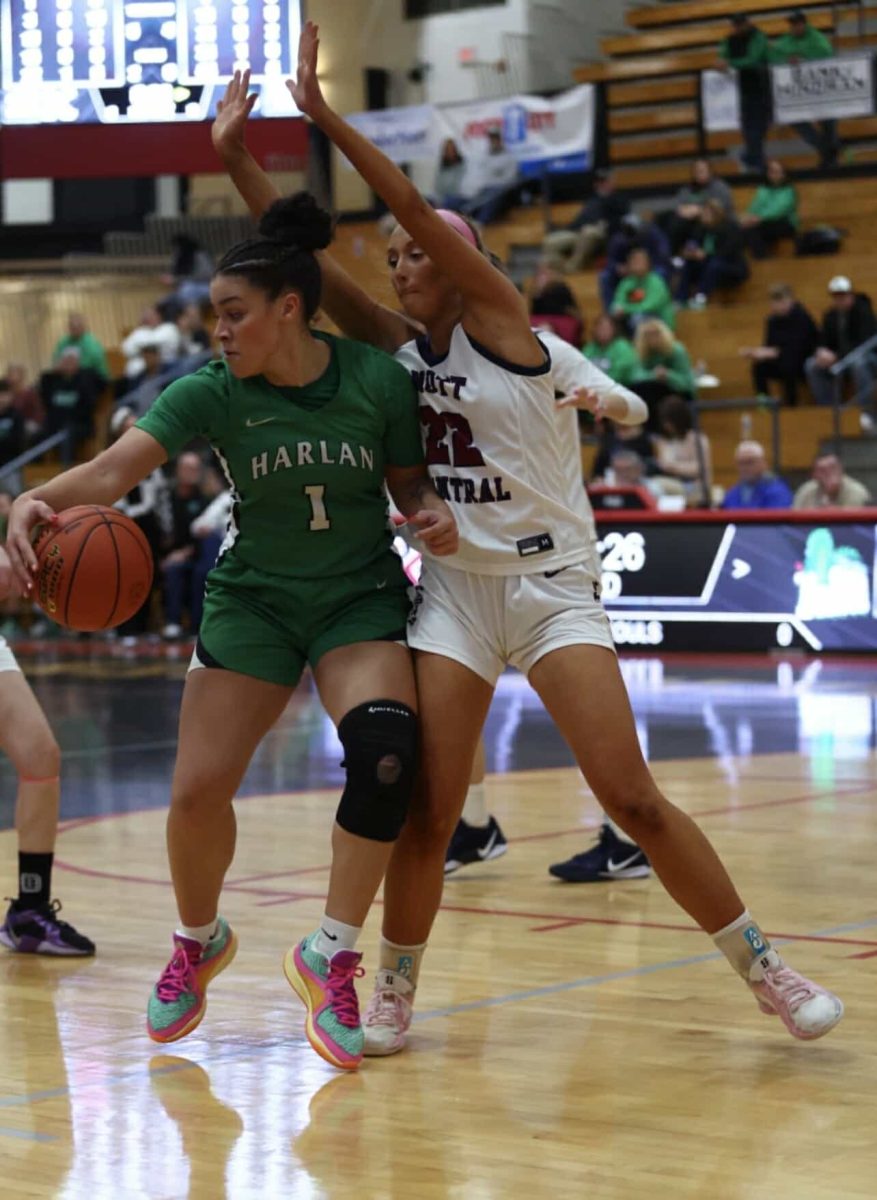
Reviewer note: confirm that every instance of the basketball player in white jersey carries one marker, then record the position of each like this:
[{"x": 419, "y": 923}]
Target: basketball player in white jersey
[
  {"x": 32, "y": 924},
  {"x": 523, "y": 591}
]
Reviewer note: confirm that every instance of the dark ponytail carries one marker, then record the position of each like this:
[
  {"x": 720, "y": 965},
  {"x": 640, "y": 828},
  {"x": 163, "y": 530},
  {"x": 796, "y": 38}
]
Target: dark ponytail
[{"x": 282, "y": 258}]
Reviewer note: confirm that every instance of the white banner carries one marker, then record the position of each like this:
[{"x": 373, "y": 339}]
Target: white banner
[
  {"x": 719, "y": 101},
  {"x": 823, "y": 88},
  {"x": 404, "y": 134},
  {"x": 558, "y": 133}
]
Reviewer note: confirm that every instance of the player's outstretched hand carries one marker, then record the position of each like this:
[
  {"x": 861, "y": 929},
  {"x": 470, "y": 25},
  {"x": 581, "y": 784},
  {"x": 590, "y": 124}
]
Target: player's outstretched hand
[
  {"x": 584, "y": 399},
  {"x": 305, "y": 88},
  {"x": 25, "y": 514},
  {"x": 437, "y": 530},
  {"x": 232, "y": 111}
]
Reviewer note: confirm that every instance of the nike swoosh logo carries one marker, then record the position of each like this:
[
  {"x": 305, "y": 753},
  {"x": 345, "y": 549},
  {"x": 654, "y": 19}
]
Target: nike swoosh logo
[
  {"x": 619, "y": 866},
  {"x": 251, "y": 424},
  {"x": 333, "y": 937},
  {"x": 484, "y": 851},
  {"x": 381, "y": 585}
]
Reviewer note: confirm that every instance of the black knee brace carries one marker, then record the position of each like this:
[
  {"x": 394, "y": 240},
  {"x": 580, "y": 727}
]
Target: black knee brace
[{"x": 380, "y": 756}]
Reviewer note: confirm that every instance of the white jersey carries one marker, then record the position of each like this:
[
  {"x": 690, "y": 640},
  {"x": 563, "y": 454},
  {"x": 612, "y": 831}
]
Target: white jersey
[{"x": 494, "y": 446}]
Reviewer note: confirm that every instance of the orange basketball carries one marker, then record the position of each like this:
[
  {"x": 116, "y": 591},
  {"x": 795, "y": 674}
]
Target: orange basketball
[{"x": 94, "y": 568}]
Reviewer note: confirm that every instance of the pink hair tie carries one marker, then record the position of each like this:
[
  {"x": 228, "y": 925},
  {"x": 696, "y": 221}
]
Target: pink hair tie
[{"x": 456, "y": 222}]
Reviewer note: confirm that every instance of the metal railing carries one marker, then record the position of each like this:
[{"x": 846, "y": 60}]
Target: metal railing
[
  {"x": 34, "y": 452},
  {"x": 837, "y": 371}
]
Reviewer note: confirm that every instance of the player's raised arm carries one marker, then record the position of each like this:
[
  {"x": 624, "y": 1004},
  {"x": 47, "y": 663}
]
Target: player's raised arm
[
  {"x": 102, "y": 481},
  {"x": 355, "y": 313},
  {"x": 495, "y": 311}
]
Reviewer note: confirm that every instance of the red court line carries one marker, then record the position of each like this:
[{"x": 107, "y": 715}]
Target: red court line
[{"x": 867, "y": 954}]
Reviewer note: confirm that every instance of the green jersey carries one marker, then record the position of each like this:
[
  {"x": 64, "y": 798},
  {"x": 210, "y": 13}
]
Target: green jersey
[{"x": 306, "y": 465}]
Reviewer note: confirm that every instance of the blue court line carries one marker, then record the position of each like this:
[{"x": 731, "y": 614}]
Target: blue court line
[{"x": 433, "y": 1014}]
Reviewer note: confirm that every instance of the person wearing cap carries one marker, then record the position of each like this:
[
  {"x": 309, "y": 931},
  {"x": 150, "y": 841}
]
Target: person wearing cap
[
  {"x": 571, "y": 248},
  {"x": 803, "y": 43},
  {"x": 846, "y": 325},
  {"x": 490, "y": 181},
  {"x": 756, "y": 487},
  {"x": 746, "y": 50},
  {"x": 790, "y": 337},
  {"x": 635, "y": 233}
]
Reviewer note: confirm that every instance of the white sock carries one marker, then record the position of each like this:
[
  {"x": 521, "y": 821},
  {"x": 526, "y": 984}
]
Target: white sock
[
  {"x": 200, "y": 933},
  {"x": 400, "y": 961},
  {"x": 475, "y": 809},
  {"x": 334, "y": 935},
  {"x": 741, "y": 942},
  {"x": 619, "y": 832}
]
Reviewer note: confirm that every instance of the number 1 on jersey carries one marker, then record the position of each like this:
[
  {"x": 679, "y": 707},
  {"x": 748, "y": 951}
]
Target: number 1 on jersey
[{"x": 319, "y": 520}]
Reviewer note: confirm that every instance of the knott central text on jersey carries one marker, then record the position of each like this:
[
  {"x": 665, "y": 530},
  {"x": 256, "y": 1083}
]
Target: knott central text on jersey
[
  {"x": 311, "y": 454},
  {"x": 471, "y": 491}
]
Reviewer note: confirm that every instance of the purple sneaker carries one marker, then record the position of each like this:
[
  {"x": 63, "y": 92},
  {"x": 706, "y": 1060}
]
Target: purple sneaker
[{"x": 40, "y": 931}]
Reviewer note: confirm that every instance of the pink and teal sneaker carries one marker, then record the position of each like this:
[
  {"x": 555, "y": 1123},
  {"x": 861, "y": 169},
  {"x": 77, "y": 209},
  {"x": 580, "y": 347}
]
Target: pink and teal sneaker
[
  {"x": 179, "y": 999},
  {"x": 326, "y": 988}
]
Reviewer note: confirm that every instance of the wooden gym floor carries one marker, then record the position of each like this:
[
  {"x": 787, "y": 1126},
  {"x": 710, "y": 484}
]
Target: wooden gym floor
[{"x": 580, "y": 1041}]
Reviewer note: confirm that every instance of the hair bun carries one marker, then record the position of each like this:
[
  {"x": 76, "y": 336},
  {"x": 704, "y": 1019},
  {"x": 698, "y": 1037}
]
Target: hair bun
[{"x": 297, "y": 221}]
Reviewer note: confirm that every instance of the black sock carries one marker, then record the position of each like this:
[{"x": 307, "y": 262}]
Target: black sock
[{"x": 34, "y": 879}]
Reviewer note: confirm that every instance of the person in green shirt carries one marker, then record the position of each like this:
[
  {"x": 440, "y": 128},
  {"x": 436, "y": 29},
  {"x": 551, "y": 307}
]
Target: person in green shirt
[
  {"x": 664, "y": 366},
  {"x": 91, "y": 353},
  {"x": 642, "y": 292},
  {"x": 773, "y": 211},
  {"x": 309, "y": 428},
  {"x": 746, "y": 50},
  {"x": 803, "y": 43},
  {"x": 612, "y": 353}
]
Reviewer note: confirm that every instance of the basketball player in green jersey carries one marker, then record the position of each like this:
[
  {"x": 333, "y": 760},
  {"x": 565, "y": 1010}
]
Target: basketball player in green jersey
[{"x": 308, "y": 428}]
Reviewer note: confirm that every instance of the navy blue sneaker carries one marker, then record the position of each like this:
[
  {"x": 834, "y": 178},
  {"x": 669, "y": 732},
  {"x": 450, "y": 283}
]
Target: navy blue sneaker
[
  {"x": 474, "y": 844},
  {"x": 611, "y": 858}
]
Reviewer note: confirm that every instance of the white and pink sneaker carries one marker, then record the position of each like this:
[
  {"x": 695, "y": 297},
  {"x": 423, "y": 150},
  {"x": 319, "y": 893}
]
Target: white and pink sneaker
[
  {"x": 387, "y": 1017},
  {"x": 807, "y": 1010}
]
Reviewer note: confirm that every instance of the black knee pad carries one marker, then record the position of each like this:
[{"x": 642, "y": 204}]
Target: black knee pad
[{"x": 380, "y": 756}]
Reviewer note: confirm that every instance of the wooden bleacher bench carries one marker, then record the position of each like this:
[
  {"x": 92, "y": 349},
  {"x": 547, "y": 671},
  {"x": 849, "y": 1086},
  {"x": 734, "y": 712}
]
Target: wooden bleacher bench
[
  {"x": 706, "y": 10},
  {"x": 658, "y": 91},
  {"x": 678, "y": 37}
]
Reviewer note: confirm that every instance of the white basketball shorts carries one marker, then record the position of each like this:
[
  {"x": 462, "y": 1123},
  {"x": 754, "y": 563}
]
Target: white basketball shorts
[
  {"x": 7, "y": 658},
  {"x": 488, "y": 622}
]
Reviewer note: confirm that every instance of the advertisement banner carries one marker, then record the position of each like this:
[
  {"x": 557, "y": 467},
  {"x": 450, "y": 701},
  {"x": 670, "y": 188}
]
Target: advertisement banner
[
  {"x": 719, "y": 101},
  {"x": 824, "y": 88},
  {"x": 404, "y": 134},
  {"x": 556, "y": 133}
]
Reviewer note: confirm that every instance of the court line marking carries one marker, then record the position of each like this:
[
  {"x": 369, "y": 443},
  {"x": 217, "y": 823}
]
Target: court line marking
[{"x": 243, "y": 1052}]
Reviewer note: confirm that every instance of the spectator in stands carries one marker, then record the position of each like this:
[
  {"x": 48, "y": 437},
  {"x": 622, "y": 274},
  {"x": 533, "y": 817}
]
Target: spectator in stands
[
  {"x": 756, "y": 487},
  {"x": 848, "y": 324},
  {"x": 803, "y": 43},
  {"x": 188, "y": 501},
  {"x": 615, "y": 438},
  {"x": 681, "y": 453},
  {"x": 152, "y": 331},
  {"x": 634, "y": 234},
  {"x": 26, "y": 399},
  {"x": 627, "y": 469},
  {"x": 553, "y": 306},
  {"x": 718, "y": 261},
  {"x": 612, "y": 353},
  {"x": 144, "y": 388},
  {"x": 746, "y": 51},
  {"x": 831, "y": 487},
  {"x": 194, "y": 336},
  {"x": 790, "y": 337},
  {"x": 69, "y": 394},
  {"x": 598, "y": 219},
  {"x": 12, "y": 438},
  {"x": 664, "y": 366},
  {"x": 148, "y": 505},
  {"x": 684, "y": 222},
  {"x": 91, "y": 353},
  {"x": 490, "y": 181},
  {"x": 210, "y": 527},
  {"x": 190, "y": 274},
  {"x": 773, "y": 211},
  {"x": 450, "y": 176},
  {"x": 642, "y": 293}
]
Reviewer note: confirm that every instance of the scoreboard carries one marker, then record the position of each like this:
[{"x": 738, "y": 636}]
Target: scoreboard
[
  {"x": 112, "y": 61},
  {"x": 806, "y": 582}
]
